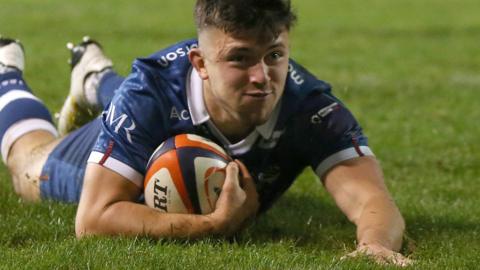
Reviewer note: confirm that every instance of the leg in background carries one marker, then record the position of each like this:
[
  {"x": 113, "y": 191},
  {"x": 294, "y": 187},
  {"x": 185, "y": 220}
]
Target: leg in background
[
  {"x": 92, "y": 86},
  {"x": 26, "y": 129}
]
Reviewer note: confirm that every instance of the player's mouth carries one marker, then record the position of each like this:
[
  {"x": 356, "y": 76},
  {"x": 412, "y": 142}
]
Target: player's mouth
[{"x": 258, "y": 93}]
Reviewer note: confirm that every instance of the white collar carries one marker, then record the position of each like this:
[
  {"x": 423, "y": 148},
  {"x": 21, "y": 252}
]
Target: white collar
[{"x": 199, "y": 113}]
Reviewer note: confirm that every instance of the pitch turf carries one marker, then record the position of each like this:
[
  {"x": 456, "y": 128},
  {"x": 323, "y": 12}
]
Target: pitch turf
[{"x": 409, "y": 70}]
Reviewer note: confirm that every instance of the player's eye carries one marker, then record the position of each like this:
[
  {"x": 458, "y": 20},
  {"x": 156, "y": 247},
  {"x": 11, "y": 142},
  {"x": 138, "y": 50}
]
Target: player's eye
[
  {"x": 237, "y": 58},
  {"x": 274, "y": 57}
]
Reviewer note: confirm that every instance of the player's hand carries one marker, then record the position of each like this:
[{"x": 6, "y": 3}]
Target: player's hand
[
  {"x": 381, "y": 255},
  {"x": 238, "y": 201},
  {"x": 248, "y": 185}
]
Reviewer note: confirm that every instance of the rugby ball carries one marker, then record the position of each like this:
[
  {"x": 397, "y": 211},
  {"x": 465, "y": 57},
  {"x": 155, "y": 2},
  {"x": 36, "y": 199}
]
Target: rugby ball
[{"x": 185, "y": 174}]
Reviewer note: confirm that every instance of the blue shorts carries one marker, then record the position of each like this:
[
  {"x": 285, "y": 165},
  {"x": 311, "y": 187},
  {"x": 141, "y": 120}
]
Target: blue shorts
[{"x": 62, "y": 174}]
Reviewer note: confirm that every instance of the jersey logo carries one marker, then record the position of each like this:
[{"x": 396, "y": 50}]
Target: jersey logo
[
  {"x": 295, "y": 76},
  {"x": 183, "y": 115},
  {"x": 122, "y": 122},
  {"x": 322, "y": 113},
  {"x": 165, "y": 60}
]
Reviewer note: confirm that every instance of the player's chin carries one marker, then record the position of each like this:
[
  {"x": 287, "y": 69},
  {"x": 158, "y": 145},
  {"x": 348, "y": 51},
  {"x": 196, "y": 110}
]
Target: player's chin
[
  {"x": 257, "y": 115},
  {"x": 258, "y": 109}
]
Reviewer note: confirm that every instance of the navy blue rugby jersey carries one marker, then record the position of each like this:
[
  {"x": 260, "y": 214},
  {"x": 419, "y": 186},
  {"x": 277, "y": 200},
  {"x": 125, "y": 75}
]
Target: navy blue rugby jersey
[{"x": 163, "y": 97}]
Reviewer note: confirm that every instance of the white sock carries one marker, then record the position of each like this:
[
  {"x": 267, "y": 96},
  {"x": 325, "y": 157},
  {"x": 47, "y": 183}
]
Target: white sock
[
  {"x": 91, "y": 85},
  {"x": 5, "y": 69}
]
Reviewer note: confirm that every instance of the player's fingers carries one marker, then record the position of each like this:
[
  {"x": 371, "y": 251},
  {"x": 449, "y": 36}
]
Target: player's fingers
[
  {"x": 353, "y": 254},
  {"x": 400, "y": 260},
  {"x": 386, "y": 257},
  {"x": 381, "y": 258},
  {"x": 357, "y": 253},
  {"x": 246, "y": 179},
  {"x": 249, "y": 187},
  {"x": 231, "y": 178}
]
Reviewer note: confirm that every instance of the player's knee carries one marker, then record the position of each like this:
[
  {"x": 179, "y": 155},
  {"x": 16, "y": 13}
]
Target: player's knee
[
  {"x": 26, "y": 187},
  {"x": 25, "y": 162}
]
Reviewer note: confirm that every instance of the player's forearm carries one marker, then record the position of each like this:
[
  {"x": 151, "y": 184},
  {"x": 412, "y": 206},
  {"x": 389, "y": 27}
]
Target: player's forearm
[
  {"x": 380, "y": 223},
  {"x": 132, "y": 219}
]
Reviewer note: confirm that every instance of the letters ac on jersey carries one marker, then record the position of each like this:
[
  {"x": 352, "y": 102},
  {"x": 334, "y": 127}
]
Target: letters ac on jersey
[{"x": 162, "y": 97}]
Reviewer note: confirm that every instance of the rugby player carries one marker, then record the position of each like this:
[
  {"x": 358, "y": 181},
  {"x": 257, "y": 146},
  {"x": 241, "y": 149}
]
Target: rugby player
[{"x": 236, "y": 85}]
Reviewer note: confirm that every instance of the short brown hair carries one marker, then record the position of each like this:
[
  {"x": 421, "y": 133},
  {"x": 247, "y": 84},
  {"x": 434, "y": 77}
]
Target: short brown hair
[{"x": 236, "y": 16}]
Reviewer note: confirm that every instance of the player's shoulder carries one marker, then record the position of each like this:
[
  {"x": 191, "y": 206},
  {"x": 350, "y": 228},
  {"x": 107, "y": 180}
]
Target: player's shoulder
[
  {"x": 168, "y": 61},
  {"x": 163, "y": 76},
  {"x": 301, "y": 83},
  {"x": 303, "y": 89}
]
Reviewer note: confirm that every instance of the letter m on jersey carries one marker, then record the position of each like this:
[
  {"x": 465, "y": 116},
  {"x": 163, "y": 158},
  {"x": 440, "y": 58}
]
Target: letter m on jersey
[{"x": 120, "y": 122}]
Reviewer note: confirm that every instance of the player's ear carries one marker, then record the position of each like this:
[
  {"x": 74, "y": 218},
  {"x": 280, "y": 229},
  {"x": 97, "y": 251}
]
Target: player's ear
[{"x": 198, "y": 62}]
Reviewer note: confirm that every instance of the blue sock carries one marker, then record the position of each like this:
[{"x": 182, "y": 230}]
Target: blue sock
[
  {"x": 20, "y": 111},
  {"x": 107, "y": 87}
]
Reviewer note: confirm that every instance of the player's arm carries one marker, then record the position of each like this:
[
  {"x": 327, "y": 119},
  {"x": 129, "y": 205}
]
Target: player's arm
[
  {"x": 107, "y": 207},
  {"x": 358, "y": 188}
]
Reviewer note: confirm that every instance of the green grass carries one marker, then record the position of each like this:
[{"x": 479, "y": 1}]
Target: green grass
[{"x": 408, "y": 69}]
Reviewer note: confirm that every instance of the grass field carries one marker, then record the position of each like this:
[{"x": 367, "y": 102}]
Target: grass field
[{"x": 408, "y": 69}]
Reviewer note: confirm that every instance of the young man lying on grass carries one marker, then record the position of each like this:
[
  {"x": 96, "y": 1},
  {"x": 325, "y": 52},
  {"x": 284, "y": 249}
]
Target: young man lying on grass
[{"x": 236, "y": 85}]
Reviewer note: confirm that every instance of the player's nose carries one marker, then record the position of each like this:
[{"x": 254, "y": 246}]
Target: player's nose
[{"x": 258, "y": 75}]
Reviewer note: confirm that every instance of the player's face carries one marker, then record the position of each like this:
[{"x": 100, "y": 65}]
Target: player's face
[{"x": 244, "y": 76}]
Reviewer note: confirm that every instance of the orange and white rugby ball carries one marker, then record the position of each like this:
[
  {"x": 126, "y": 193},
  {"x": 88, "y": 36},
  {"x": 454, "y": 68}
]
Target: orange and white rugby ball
[{"x": 185, "y": 174}]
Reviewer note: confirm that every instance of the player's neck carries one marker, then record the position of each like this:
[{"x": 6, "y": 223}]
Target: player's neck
[
  {"x": 231, "y": 130},
  {"x": 229, "y": 123}
]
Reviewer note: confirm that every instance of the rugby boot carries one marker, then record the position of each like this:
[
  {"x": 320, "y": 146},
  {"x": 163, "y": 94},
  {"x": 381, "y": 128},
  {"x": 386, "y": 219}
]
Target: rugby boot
[
  {"x": 87, "y": 60},
  {"x": 11, "y": 55}
]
